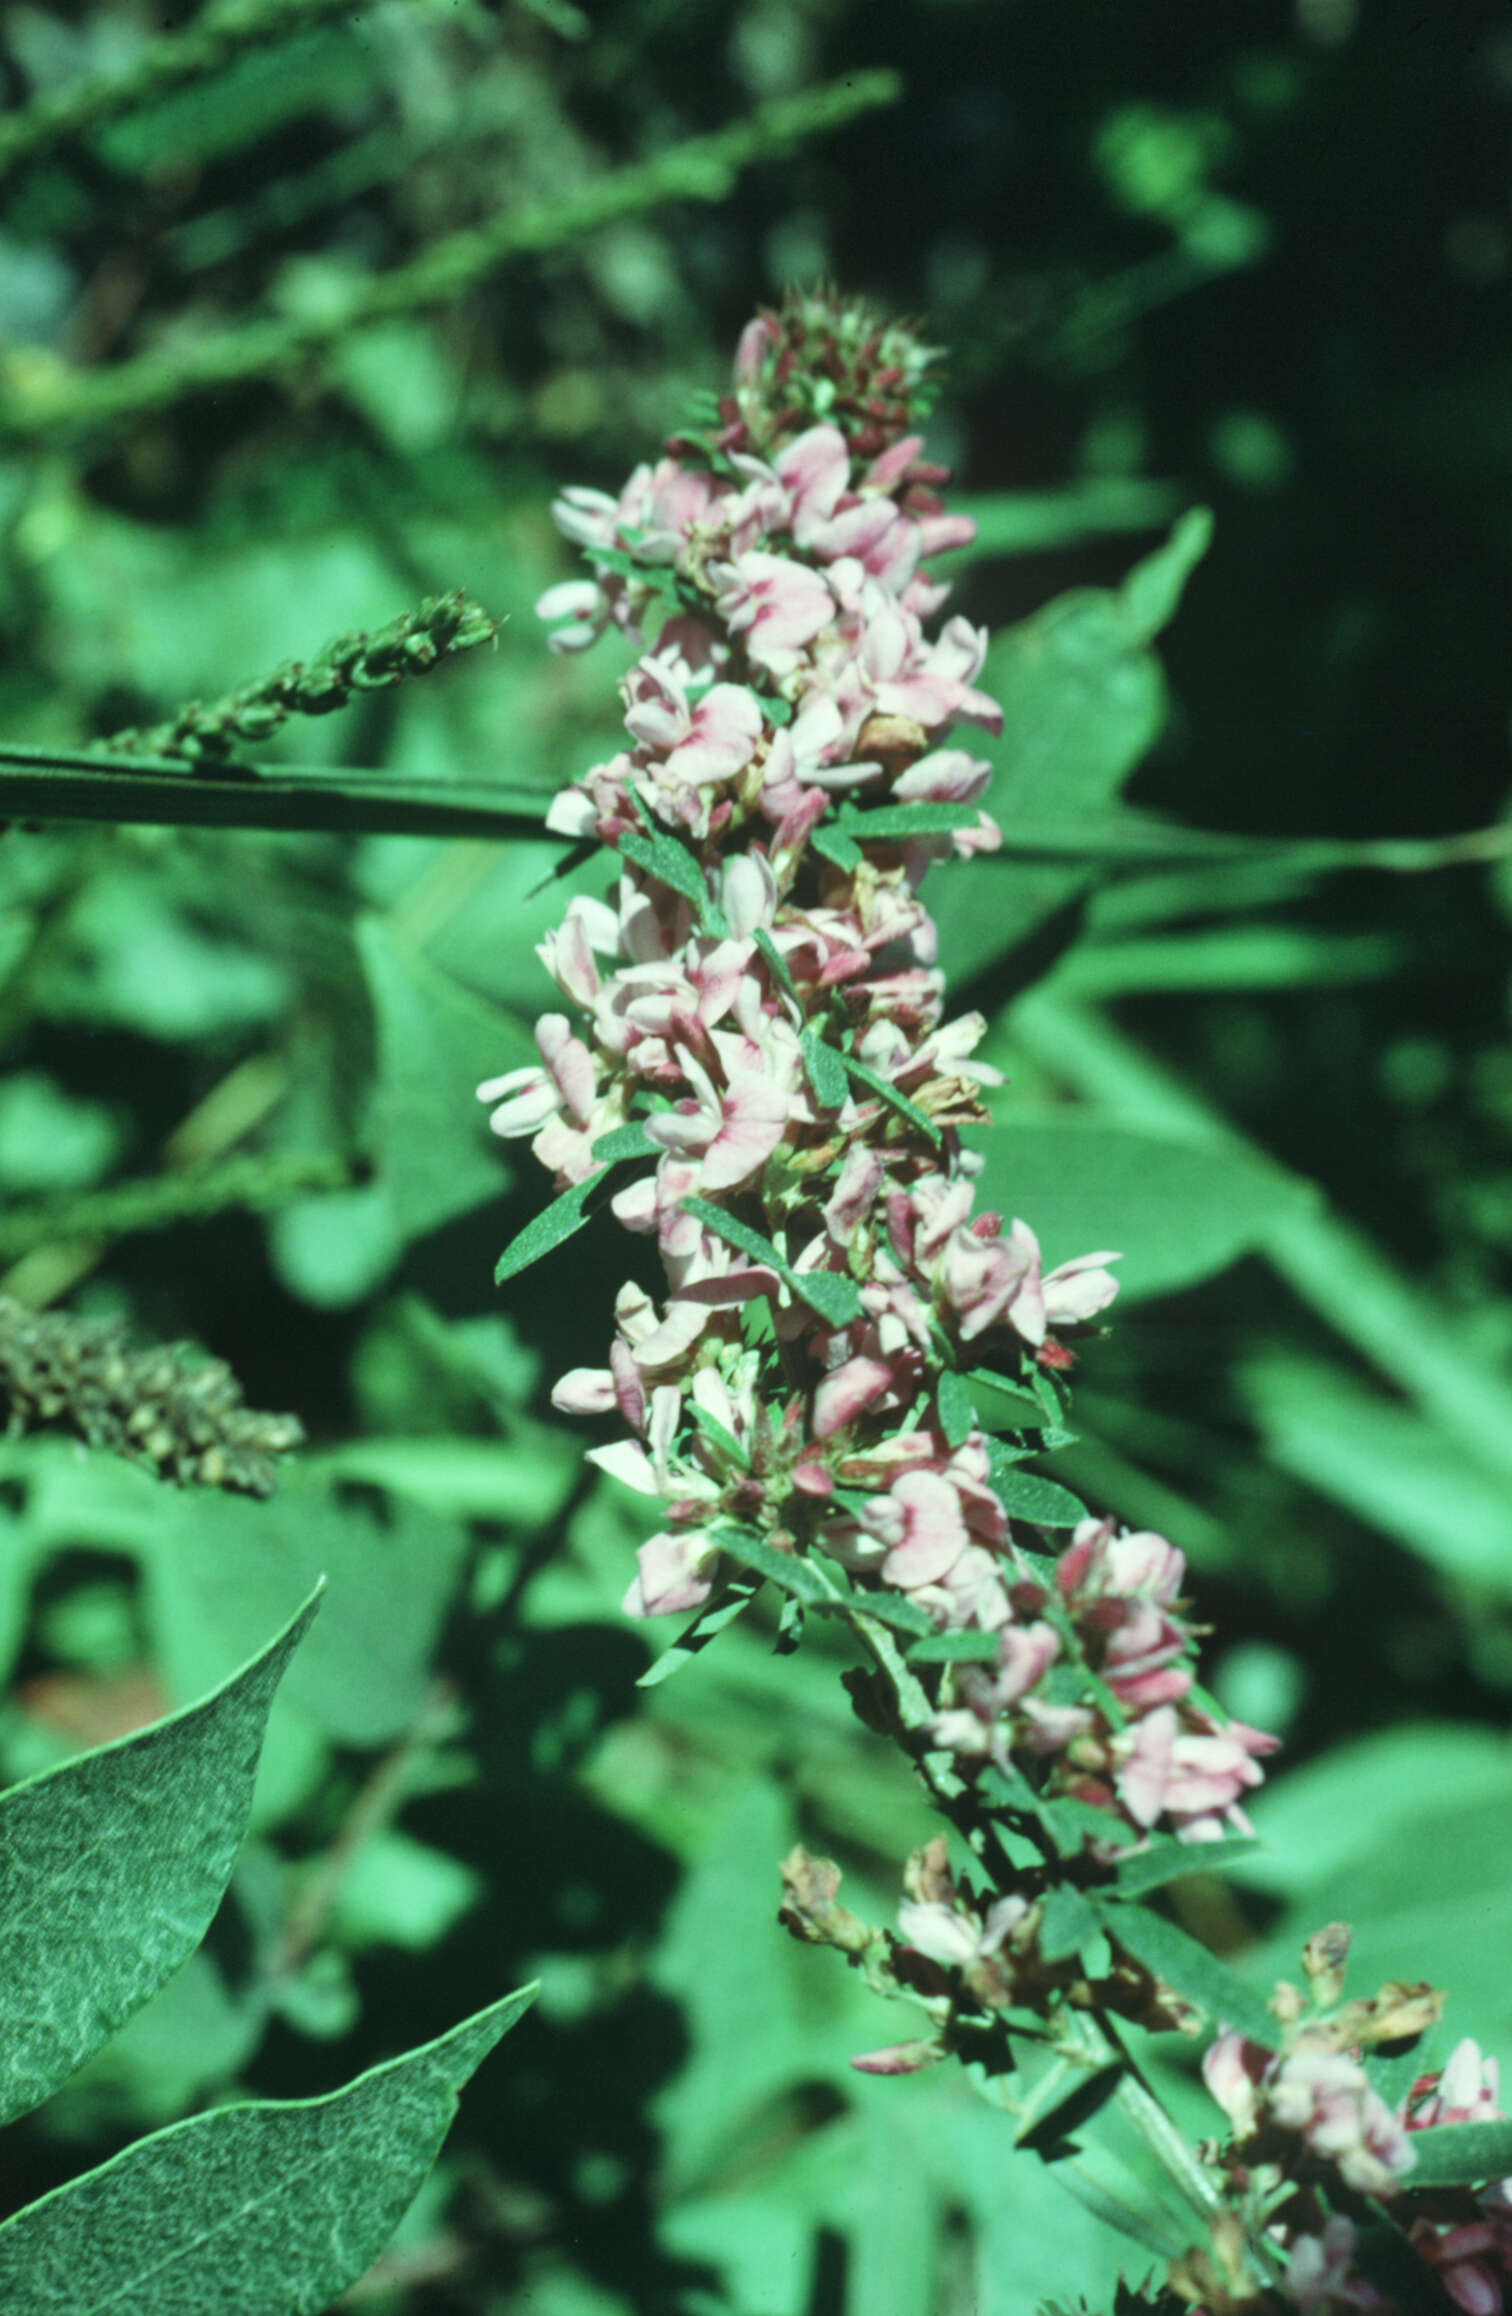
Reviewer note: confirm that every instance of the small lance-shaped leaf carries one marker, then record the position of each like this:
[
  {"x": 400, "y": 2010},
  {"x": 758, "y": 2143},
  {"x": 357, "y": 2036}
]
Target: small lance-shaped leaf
[
  {"x": 837, "y": 1300},
  {"x": 921, "y": 1122},
  {"x": 567, "y": 1215},
  {"x": 957, "y": 1408},
  {"x": 1461, "y": 2154},
  {"x": 707, "y": 1625},
  {"x": 546, "y": 1231},
  {"x": 1025, "y": 1496},
  {"x": 954, "y": 1648},
  {"x": 1190, "y": 1970},
  {"x": 901, "y": 823},
  {"x": 672, "y": 864},
  {"x": 1172, "y": 1861},
  {"x": 789, "y": 1574},
  {"x": 266, "y": 2210},
  {"x": 111, "y": 1868},
  {"x": 825, "y": 1070}
]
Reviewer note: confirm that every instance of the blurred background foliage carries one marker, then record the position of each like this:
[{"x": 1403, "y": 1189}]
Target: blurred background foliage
[{"x": 305, "y": 313}]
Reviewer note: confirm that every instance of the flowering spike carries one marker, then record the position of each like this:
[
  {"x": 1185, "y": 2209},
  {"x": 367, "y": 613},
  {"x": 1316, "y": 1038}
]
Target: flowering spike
[{"x": 758, "y": 991}]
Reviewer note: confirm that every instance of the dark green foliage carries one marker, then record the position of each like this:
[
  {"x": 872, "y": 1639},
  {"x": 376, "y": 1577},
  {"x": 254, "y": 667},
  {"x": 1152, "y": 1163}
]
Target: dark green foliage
[{"x": 301, "y": 322}]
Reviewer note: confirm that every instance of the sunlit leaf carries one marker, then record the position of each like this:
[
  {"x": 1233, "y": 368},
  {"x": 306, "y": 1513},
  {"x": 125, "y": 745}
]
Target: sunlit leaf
[
  {"x": 113, "y": 1866},
  {"x": 258, "y": 2210}
]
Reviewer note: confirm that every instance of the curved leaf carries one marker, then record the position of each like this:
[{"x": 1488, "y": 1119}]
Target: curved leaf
[
  {"x": 262, "y": 2210},
  {"x": 112, "y": 1867}
]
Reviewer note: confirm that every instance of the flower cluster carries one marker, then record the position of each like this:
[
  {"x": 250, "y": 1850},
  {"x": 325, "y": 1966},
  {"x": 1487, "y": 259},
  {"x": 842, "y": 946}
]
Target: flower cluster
[
  {"x": 1306, "y": 2115},
  {"x": 755, "y": 1008}
]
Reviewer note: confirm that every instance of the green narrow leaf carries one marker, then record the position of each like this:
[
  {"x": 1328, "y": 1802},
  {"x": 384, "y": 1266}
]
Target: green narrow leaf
[
  {"x": 1461, "y": 2154},
  {"x": 1172, "y": 1861},
  {"x": 736, "y": 1233},
  {"x": 546, "y": 1231},
  {"x": 888, "y": 1609},
  {"x": 954, "y": 1648},
  {"x": 957, "y": 1409},
  {"x": 900, "y": 823},
  {"x": 836, "y": 1300},
  {"x": 714, "y": 1430},
  {"x": 672, "y": 864},
  {"x": 835, "y": 848},
  {"x": 826, "y": 1070},
  {"x": 1190, "y": 1970},
  {"x": 706, "y": 1626},
  {"x": 1025, "y": 1496},
  {"x": 917, "y": 1118},
  {"x": 783, "y": 1569},
  {"x": 776, "y": 964},
  {"x": 112, "y": 1867},
  {"x": 625, "y": 1142},
  {"x": 1151, "y": 593},
  {"x": 1001, "y": 1405},
  {"x": 259, "y": 2210}
]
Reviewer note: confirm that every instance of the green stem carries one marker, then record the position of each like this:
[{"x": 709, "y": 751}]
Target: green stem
[
  {"x": 252, "y": 1183},
  {"x": 701, "y": 169},
  {"x": 219, "y": 33},
  {"x": 46, "y": 785}
]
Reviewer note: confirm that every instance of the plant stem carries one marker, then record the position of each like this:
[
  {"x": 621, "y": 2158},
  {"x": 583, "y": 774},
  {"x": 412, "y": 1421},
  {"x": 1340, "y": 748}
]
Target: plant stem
[
  {"x": 64, "y": 403},
  {"x": 219, "y": 33}
]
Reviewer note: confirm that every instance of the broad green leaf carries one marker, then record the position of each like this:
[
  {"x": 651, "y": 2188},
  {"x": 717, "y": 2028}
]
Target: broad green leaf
[
  {"x": 1083, "y": 699},
  {"x": 220, "y": 1569},
  {"x": 1388, "y": 1464},
  {"x": 890, "y": 1609},
  {"x": 112, "y": 1867},
  {"x": 546, "y": 1231},
  {"x": 1001, "y": 1405},
  {"x": 1461, "y": 2154},
  {"x": 1181, "y": 1209},
  {"x": 1029, "y": 522},
  {"x": 831, "y": 846},
  {"x": 736, "y": 1233},
  {"x": 1190, "y": 1970},
  {"x": 714, "y": 1431},
  {"x": 435, "y": 1155},
  {"x": 836, "y": 1300},
  {"x": 262, "y": 2210},
  {"x": 776, "y": 962}
]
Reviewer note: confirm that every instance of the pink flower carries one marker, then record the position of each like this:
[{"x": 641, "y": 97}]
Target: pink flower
[
  {"x": 672, "y": 1573},
  {"x": 1325, "y": 2096},
  {"x": 732, "y": 1129},
  {"x": 920, "y": 1522},
  {"x": 1079, "y": 1289},
  {"x": 775, "y": 605}
]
